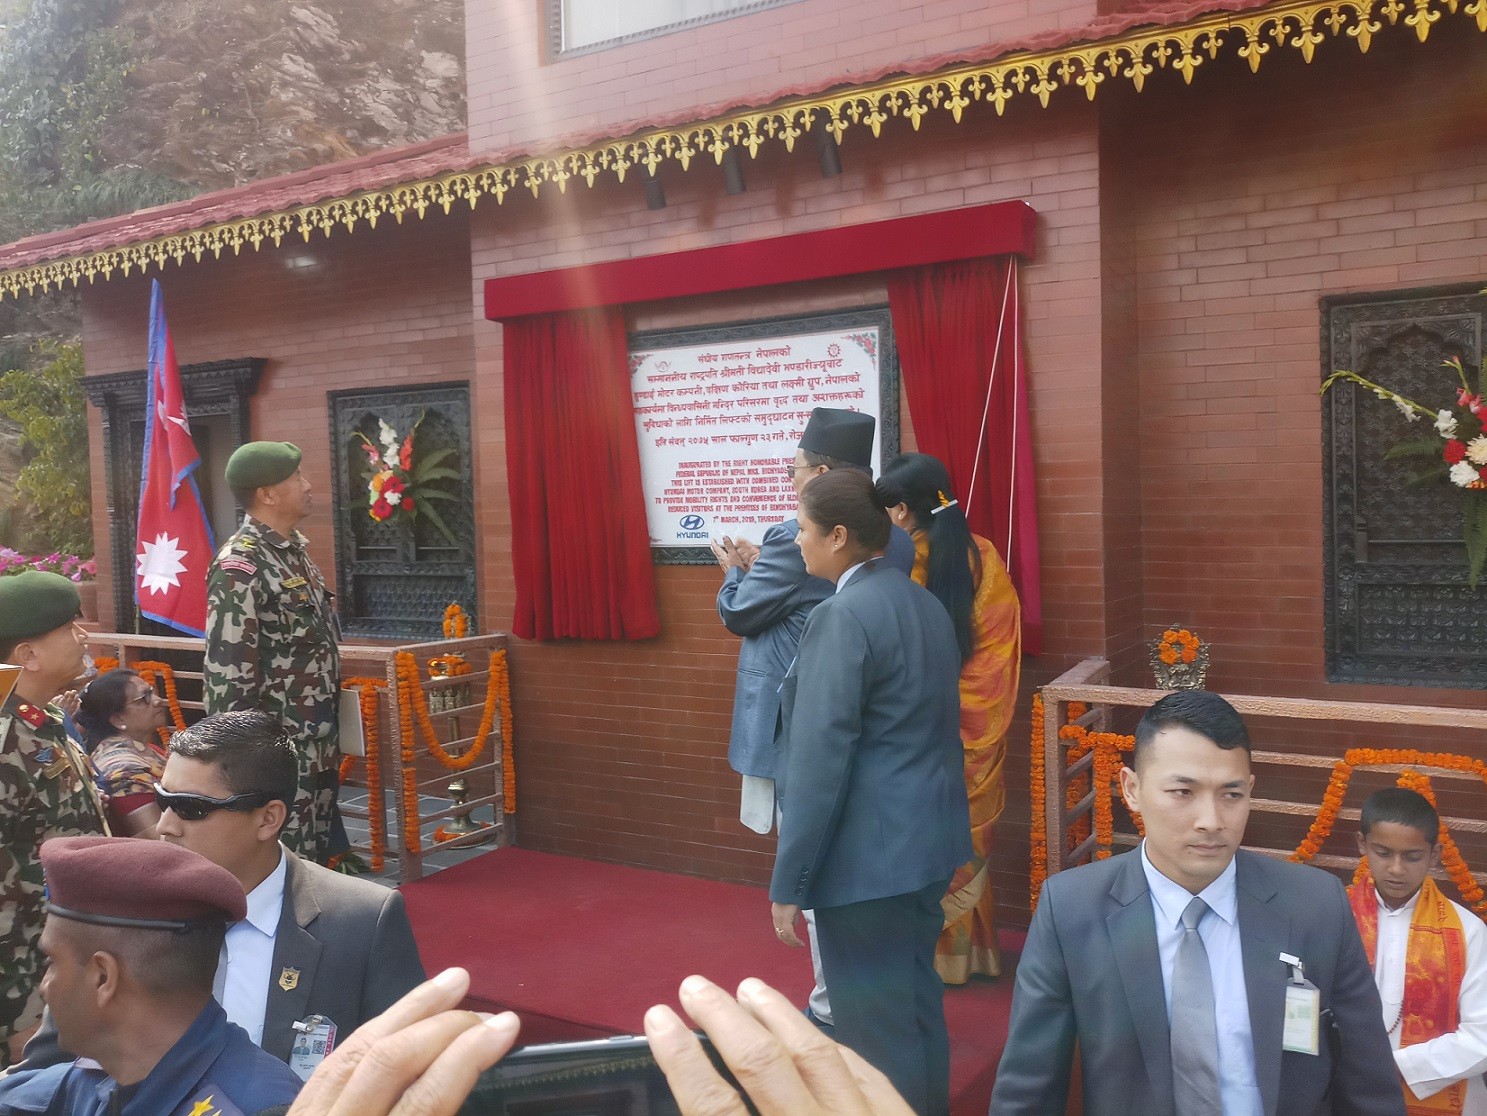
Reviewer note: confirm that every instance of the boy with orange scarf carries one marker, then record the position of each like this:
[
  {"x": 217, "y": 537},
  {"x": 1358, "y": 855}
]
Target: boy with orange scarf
[{"x": 1429, "y": 958}]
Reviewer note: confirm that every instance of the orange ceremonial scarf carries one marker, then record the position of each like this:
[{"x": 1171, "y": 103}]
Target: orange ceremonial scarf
[{"x": 1434, "y": 967}]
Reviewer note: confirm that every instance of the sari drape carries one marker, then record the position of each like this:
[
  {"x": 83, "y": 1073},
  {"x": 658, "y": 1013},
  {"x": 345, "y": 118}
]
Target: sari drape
[{"x": 988, "y": 698}]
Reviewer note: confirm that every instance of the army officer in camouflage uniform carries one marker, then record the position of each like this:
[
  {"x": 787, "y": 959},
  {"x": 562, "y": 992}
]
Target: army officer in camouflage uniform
[
  {"x": 46, "y": 784},
  {"x": 271, "y": 635}
]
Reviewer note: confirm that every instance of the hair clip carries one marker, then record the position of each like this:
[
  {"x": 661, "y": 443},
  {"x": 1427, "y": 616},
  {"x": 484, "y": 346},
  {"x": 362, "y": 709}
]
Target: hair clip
[{"x": 944, "y": 503}]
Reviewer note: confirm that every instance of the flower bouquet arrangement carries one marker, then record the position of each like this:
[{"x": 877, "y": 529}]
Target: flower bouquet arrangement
[
  {"x": 1456, "y": 454},
  {"x": 69, "y": 566},
  {"x": 402, "y": 481}
]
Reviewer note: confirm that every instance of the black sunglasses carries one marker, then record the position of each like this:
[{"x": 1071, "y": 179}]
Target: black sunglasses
[{"x": 194, "y": 807}]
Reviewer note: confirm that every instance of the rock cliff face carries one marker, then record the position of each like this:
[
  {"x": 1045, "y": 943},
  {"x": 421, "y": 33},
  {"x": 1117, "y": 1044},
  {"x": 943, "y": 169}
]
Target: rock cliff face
[{"x": 226, "y": 93}]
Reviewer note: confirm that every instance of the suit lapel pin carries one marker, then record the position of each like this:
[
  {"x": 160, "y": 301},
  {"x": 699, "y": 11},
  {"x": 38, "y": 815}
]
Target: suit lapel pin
[{"x": 289, "y": 979}]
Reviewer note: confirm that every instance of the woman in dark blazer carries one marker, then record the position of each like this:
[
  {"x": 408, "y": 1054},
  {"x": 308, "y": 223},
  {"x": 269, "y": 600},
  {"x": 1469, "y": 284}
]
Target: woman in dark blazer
[{"x": 874, "y": 819}]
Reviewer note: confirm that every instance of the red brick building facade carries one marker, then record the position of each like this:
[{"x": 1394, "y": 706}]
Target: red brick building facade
[{"x": 1186, "y": 234}]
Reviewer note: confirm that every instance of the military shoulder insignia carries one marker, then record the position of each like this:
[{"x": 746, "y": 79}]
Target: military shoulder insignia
[
  {"x": 289, "y": 979},
  {"x": 237, "y": 565},
  {"x": 209, "y": 1100},
  {"x": 33, "y": 715},
  {"x": 242, "y": 544}
]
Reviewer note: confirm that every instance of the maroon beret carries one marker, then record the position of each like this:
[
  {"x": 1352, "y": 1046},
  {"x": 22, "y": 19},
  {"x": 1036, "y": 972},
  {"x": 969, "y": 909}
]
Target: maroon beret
[{"x": 126, "y": 881}]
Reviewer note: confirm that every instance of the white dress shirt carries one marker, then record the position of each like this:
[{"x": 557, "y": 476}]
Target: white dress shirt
[
  {"x": 250, "y": 954},
  {"x": 1219, "y": 930},
  {"x": 1428, "y": 1067},
  {"x": 841, "y": 582}
]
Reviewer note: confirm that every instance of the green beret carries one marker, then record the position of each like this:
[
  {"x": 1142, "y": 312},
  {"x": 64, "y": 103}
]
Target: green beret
[
  {"x": 36, "y": 602},
  {"x": 260, "y": 464}
]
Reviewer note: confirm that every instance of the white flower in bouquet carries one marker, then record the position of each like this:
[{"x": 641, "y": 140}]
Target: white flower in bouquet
[
  {"x": 1463, "y": 474},
  {"x": 1476, "y": 450},
  {"x": 1445, "y": 424}
]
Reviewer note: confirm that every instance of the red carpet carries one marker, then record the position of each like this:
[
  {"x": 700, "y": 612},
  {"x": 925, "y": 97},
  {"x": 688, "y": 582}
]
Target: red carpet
[{"x": 580, "y": 949}]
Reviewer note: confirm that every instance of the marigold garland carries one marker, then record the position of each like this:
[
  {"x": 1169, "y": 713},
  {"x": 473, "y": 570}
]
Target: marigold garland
[
  {"x": 412, "y": 837},
  {"x": 456, "y": 623},
  {"x": 413, "y": 705},
  {"x": 367, "y": 690},
  {"x": 1451, "y": 858},
  {"x": 407, "y": 668},
  {"x": 1037, "y": 828},
  {"x": 1178, "y": 644}
]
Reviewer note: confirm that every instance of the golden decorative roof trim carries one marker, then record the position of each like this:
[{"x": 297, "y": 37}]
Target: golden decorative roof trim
[{"x": 1301, "y": 25}]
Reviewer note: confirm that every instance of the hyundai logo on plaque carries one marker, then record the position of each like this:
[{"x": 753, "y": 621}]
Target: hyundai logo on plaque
[{"x": 691, "y": 527}]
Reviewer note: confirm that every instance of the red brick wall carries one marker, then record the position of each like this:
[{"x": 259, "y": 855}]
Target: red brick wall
[
  {"x": 622, "y": 747},
  {"x": 1243, "y": 220},
  {"x": 520, "y": 97},
  {"x": 1248, "y": 201},
  {"x": 376, "y": 308},
  {"x": 1185, "y": 236}
]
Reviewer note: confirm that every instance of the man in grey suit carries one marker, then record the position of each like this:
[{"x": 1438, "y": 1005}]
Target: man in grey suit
[
  {"x": 873, "y": 812},
  {"x": 315, "y": 942},
  {"x": 766, "y": 597},
  {"x": 1195, "y": 978}
]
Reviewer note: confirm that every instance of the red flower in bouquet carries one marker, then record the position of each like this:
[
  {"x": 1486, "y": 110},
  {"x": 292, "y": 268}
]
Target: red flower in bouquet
[
  {"x": 398, "y": 472},
  {"x": 1454, "y": 451}
]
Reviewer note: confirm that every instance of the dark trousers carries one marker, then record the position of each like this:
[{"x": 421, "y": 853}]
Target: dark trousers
[{"x": 887, "y": 1001}]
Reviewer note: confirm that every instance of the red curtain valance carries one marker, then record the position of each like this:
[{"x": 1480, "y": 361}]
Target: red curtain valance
[
  {"x": 580, "y": 551},
  {"x": 959, "y": 332}
]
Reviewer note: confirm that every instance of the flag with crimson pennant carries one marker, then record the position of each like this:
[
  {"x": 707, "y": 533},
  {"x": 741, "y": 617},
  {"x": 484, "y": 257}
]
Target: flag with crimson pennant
[{"x": 173, "y": 546}]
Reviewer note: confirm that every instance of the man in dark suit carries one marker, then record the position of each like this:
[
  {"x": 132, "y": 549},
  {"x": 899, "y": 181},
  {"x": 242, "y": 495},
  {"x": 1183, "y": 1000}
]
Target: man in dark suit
[
  {"x": 315, "y": 942},
  {"x": 765, "y": 597},
  {"x": 873, "y": 811},
  {"x": 1189, "y": 973}
]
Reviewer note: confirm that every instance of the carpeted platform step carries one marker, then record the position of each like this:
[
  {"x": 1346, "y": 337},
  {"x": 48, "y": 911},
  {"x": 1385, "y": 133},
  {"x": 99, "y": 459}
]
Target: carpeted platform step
[{"x": 580, "y": 949}]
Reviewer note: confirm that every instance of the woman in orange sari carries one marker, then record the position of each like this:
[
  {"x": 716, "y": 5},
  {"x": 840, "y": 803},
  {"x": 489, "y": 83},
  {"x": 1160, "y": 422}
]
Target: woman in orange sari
[{"x": 967, "y": 575}]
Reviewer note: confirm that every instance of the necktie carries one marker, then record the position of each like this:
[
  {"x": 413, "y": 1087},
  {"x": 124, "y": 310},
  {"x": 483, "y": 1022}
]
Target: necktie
[{"x": 1195, "y": 1045}]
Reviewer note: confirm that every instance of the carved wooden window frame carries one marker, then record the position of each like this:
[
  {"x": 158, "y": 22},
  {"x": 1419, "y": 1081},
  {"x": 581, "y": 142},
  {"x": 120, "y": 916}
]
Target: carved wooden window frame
[
  {"x": 219, "y": 387},
  {"x": 441, "y": 574},
  {"x": 1397, "y": 606}
]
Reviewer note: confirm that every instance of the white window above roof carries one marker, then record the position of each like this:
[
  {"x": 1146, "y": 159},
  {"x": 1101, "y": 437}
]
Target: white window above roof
[{"x": 581, "y": 25}]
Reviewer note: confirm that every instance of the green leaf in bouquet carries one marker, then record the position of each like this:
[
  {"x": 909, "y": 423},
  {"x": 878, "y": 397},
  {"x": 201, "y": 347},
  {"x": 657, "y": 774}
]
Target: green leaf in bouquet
[
  {"x": 438, "y": 521},
  {"x": 1425, "y": 447},
  {"x": 1474, "y": 534}
]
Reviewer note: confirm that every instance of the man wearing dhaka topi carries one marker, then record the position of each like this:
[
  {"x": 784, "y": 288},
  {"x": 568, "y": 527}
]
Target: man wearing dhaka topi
[
  {"x": 1429, "y": 957},
  {"x": 271, "y": 635}
]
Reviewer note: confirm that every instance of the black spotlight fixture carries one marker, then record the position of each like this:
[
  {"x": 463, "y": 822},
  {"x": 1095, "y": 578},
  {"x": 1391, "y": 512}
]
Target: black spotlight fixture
[
  {"x": 828, "y": 153},
  {"x": 655, "y": 193},
  {"x": 733, "y": 176}
]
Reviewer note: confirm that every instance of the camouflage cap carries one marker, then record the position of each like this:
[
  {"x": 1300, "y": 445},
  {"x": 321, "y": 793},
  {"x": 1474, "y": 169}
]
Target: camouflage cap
[
  {"x": 258, "y": 464},
  {"x": 36, "y": 602},
  {"x": 123, "y": 881}
]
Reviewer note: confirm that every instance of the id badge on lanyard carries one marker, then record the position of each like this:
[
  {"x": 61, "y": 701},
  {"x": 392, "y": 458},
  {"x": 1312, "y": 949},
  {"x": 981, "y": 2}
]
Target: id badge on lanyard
[
  {"x": 314, "y": 1038},
  {"x": 1301, "y": 1032}
]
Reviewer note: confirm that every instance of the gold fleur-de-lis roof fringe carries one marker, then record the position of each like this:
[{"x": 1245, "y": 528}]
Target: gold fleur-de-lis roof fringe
[{"x": 1133, "y": 56}]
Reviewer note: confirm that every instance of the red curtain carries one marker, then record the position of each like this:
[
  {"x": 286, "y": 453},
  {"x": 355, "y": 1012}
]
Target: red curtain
[
  {"x": 959, "y": 332},
  {"x": 580, "y": 548}
]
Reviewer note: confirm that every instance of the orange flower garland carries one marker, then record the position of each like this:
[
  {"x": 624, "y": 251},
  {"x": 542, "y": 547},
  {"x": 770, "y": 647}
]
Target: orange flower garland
[
  {"x": 413, "y": 705},
  {"x": 456, "y": 623},
  {"x": 412, "y": 837},
  {"x": 1178, "y": 644},
  {"x": 1037, "y": 827},
  {"x": 366, "y": 694},
  {"x": 501, "y": 681},
  {"x": 1451, "y": 858},
  {"x": 407, "y": 668}
]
